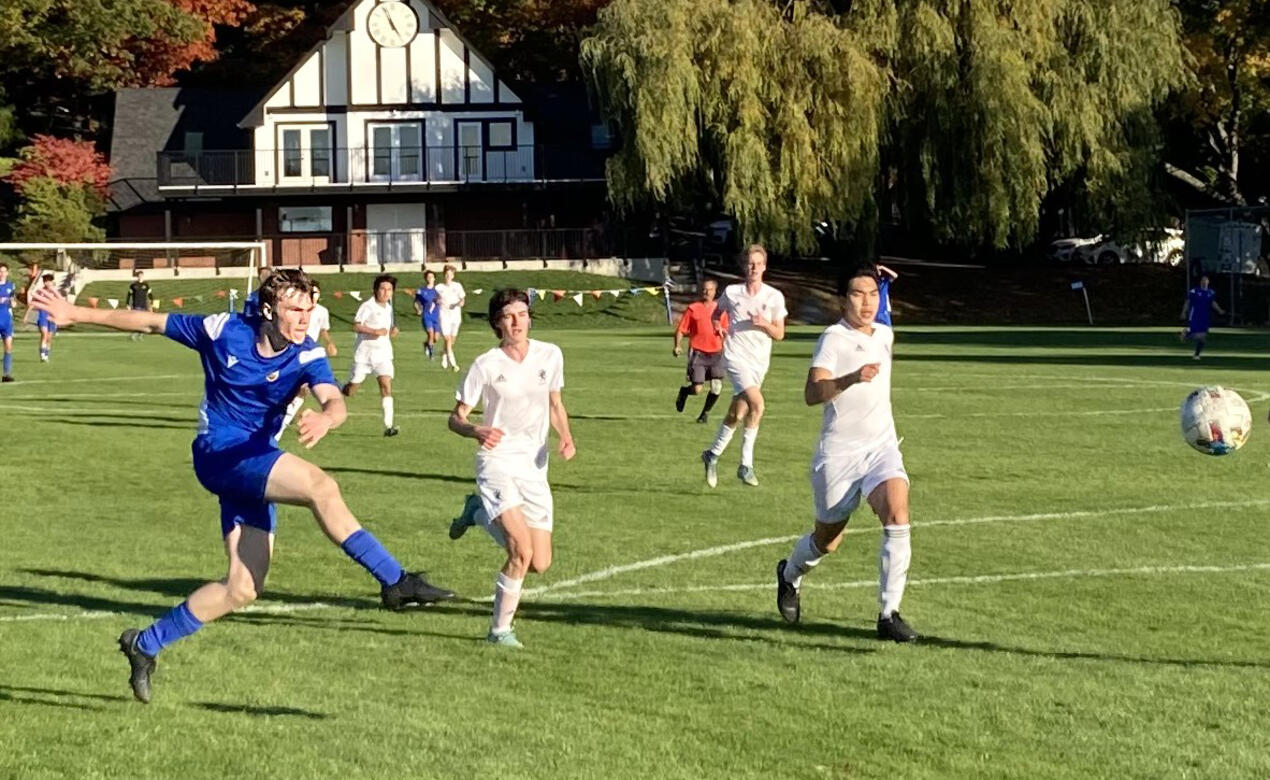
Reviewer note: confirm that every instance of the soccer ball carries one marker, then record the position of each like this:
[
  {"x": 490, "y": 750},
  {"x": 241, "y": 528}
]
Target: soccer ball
[{"x": 1215, "y": 420}]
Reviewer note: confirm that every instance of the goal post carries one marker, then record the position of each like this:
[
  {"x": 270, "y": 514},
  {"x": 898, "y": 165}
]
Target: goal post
[{"x": 230, "y": 266}]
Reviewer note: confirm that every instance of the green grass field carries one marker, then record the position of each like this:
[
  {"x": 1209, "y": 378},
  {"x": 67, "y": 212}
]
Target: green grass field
[{"x": 1094, "y": 594}]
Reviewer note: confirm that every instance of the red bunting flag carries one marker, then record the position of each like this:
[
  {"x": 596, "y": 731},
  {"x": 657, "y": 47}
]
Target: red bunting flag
[
  {"x": 92, "y": 302},
  {"x": 557, "y": 294},
  {"x": 220, "y": 293},
  {"x": 178, "y": 302},
  {"x": 338, "y": 293},
  {"x": 596, "y": 294}
]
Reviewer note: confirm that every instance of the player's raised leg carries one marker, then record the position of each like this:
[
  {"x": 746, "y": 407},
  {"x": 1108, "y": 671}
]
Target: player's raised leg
[{"x": 808, "y": 550}]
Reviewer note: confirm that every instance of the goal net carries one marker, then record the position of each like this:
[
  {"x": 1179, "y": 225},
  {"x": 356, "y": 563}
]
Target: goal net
[{"x": 196, "y": 276}]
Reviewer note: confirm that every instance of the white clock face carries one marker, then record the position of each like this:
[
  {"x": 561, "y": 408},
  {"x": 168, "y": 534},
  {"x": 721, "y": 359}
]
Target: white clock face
[{"x": 392, "y": 24}]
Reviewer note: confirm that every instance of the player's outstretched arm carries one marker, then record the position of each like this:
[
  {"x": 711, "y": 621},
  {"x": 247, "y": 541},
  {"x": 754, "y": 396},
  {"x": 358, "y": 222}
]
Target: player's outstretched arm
[
  {"x": 823, "y": 386},
  {"x": 458, "y": 422},
  {"x": 65, "y": 313},
  {"x": 560, "y": 423},
  {"x": 892, "y": 274}
]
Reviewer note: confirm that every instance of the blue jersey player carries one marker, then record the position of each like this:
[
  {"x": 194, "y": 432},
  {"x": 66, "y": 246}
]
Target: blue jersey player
[
  {"x": 252, "y": 368},
  {"x": 428, "y": 307},
  {"x": 885, "y": 277},
  {"x": 1200, "y": 303},
  {"x": 46, "y": 324},
  {"x": 7, "y": 292}
]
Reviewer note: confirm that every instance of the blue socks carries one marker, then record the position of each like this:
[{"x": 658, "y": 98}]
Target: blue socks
[
  {"x": 177, "y": 624},
  {"x": 8, "y": 363},
  {"x": 367, "y": 551}
]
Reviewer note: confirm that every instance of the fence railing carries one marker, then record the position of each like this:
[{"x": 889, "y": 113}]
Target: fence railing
[{"x": 397, "y": 166}]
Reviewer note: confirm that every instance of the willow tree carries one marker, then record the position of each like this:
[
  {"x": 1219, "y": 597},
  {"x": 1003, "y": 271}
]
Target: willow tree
[{"x": 979, "y": 107}]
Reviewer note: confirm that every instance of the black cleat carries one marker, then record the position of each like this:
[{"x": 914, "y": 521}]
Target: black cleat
[
  {"x": 787, "y": 601},
  {"x": 142, "y": 664},
  {"x": 6, "y": 378},
  {"x": 682, "y": 399},
  {"x": 413, "y": 589},
  {"x": 703, "y": 418},
  {"x": 391, "y": 431},
  {"x": 895, "y": 629}
]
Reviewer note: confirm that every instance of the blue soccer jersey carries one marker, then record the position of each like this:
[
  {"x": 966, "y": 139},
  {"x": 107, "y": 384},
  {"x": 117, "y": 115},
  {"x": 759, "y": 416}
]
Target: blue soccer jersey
[
  {"x": 251, "y": 306},
  {"x": 884, "y": 301},
  {"x": 6, "y": 303},
  {"x": 1201, "y": 300},
  {"x": 429, "y": 300},
  {"x": 245, "y": 395}
]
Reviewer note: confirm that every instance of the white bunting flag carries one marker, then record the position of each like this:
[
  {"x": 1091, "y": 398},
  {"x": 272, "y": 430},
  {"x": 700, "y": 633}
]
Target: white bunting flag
[
  {"x": 357, "y": 296},
  {"x": 114, "y": 302},
  {"x": 477, "y": 291},
  {"x": 533, "y": 293},
  {"x": 615, "y": 293},
  {"x": 578, "y": 299}
]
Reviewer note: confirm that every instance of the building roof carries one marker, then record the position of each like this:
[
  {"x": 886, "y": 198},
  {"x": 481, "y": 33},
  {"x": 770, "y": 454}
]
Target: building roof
[{"x": 151, "y": 120}]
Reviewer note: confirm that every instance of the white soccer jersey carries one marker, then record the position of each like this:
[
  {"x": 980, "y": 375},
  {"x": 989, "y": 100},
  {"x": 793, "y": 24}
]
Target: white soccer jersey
[
  {"x": 449, "y": 295},
  {"x": 319, "y": 320},
  {"x": 746, "y": 345},
  {"x": 516, "y": 399},
  {"x": 375, "y": 316},
  {"x": 859, "y": 418}
]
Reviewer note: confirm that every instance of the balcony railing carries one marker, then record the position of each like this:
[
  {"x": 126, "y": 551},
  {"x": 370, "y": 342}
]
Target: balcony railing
[{"x": 352, "y": 167}]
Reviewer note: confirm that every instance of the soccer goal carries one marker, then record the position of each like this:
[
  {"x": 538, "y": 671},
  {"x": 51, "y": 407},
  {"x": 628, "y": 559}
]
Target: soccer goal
[{"x": 228, "y": 266}]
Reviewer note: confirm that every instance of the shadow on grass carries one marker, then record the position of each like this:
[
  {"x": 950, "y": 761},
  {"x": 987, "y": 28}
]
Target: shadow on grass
[
  {"x": 132, "y": 423},
  {"x": 399, "y": 474},
  {"x": 259, "y": 712},
  {"x": 50, "y": 697},
  {"x": 172, "y": 587},
  {"x": 342, "y": 625}
]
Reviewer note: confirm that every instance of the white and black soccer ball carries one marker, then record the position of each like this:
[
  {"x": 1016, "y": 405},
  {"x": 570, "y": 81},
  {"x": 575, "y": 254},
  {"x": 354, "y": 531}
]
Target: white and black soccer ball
[{"x": 1215, "y": 420}]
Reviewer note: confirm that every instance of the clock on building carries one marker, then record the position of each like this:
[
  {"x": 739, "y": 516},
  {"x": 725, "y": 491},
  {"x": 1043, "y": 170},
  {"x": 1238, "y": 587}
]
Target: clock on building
[{"x": 392, "y": 24}]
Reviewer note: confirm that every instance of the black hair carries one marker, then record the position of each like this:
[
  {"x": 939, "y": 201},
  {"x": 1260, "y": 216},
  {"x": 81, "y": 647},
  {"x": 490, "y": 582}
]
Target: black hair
[
  {"x": 381, "y": 279},
  {"x": 866, "y": 268},
  {"x": 47, "y": 277},
  {"x": 501, "y": 298}
]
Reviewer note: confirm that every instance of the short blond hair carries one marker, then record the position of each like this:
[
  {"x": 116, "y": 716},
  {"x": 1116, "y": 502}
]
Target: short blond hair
[
  {"x": 754, "y": 249},
  {"x": 449, "y": 267}
]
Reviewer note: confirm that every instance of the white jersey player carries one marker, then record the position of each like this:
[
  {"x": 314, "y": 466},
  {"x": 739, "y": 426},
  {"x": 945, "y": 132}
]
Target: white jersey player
[
  {"x": 519, "y": 384},
  {"x": 858, "y": 456},
  {"x": 320, "y": 331},
  {"x": 756, "y": 317},
  {"x": 451, "y": 296},
  {"x": 376, "y": 326}
]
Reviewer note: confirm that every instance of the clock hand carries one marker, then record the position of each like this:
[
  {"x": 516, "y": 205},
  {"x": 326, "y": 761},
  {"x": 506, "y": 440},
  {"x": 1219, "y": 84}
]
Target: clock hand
[{"x": 392, "y": 24}]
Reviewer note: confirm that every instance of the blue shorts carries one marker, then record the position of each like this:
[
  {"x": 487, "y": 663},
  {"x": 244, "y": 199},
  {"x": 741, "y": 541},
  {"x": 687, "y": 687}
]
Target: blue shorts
[
  {"x": 6, "y": 329},
  {"x": 44, "y": 321},
  {"x": 432, "y": 322},
  {"x": 237, "y": 476}
]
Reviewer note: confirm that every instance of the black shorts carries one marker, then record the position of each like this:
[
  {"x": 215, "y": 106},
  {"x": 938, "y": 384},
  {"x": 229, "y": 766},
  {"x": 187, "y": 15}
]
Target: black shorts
[{"x": 704, "y": 366}]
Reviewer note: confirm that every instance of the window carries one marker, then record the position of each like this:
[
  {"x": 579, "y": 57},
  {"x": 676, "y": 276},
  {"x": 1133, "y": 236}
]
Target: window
[
  {"x": 396, "y": 151},
  {"x": 601, "y": 136},
  {"x": 193, "y": 143},
  {"x": 320, "y": 149},
  {"x": 292, "y": 157},
  {"x": 502, "y": 135},
  {"x": 304, "y": 219}
]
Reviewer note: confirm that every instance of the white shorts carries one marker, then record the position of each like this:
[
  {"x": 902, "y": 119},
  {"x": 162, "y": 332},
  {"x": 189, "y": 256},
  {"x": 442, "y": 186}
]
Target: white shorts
[
  {"x": 500, "y": 490},
  {"x": 365, "y": 364},
  {"x": 451, "y": 319},
  {"x": 838, "y": 484},
  {"x": 744, "y": 377}
]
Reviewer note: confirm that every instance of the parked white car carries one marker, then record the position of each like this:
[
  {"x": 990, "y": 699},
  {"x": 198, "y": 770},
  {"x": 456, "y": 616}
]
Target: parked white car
[{"x": 1161, "y": 245}]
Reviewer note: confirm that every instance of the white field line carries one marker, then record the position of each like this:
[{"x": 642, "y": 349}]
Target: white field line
[
  {"x": 267, "y": 609},
  {"x": 978, "y": 579},
  {"x": 709, "y": 552}
]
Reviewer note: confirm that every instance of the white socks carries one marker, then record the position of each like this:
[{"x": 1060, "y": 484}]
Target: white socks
[
  {"x": 293, "y": 409},
  {"x": 445, "y": 360},
  {"x": 893, "y": 559},
  {"x": 387, "y": 404},
  {"x": 454, "y": 363},
  {"x": 506, "y": 599},
  {"x": 802, "y": 559},
  {"x": 721, "y": 439},
  {"x": 747, "y": 446}
]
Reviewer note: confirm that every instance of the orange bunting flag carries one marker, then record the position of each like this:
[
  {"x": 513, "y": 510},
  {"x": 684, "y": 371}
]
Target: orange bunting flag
[
  {"x": 178, "y": 302},
  {"x": 220, "y": 293},
  {"x": 338, "y": 293},
  {"x": 557, "y": 294},
  {"x": 408, "y": 291},
  {"x": 596, "y": 294},
  {"x": 92, "y": 302}
]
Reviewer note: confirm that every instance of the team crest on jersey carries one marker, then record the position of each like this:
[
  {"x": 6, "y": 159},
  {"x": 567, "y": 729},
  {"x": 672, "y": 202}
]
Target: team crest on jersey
[
  {"x": 542, "y": 376},
  {"x": 231, "y": 361},
  {"x": 501, "y": 378},
  {"x": 273, "y": 377}
]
